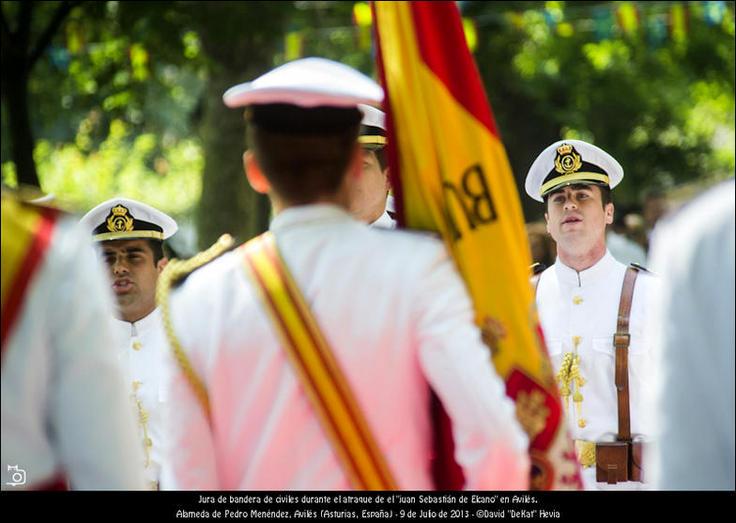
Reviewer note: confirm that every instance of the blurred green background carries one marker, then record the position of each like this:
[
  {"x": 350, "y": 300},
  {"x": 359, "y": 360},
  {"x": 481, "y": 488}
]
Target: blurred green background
[{"x": 125, "y": 98}]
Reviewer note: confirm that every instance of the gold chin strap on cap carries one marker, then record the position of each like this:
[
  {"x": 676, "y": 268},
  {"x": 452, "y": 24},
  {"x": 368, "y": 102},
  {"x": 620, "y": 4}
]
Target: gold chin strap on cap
[
  {"x": 369, "y": 139},
  {"x": 156, "y": 235},
  {"x": 581, "y": 177}
]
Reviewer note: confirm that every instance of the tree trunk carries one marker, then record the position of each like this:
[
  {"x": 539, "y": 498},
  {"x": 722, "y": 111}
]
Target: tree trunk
[
  {"x": 228, "y": 204},
  {"x": 15, "y": 98},
  {"x": 240, "y": 39}
]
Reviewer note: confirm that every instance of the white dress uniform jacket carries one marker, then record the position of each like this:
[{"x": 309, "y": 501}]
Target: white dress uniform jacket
[
  {"x": 143, "y": 360},
  {"x": 398, "y": 319},
  {"x": 64, "y": 407},
  {"x": 693, "y": 407},
  {"x": 578, "y": 312}
]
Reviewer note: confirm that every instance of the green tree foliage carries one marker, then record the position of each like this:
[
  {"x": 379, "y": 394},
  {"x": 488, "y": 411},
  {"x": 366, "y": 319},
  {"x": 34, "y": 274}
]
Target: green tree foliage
[
  {"x": 125, "y": 98},
  {"x": 23, "y": 44},
  {"x": 661, "y": 103},
  {"x": 112, "y": 105}
]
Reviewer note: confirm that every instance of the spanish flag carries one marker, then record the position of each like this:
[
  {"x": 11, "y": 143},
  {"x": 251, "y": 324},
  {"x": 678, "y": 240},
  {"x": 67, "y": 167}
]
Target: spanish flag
[
  {"x": 450, "y": 174},
  {"x": 26, "y": 234}
]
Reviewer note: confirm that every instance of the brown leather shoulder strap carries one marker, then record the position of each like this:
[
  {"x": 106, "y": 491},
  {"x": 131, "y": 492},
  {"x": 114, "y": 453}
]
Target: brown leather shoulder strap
[{"x": 621, "y": 341}]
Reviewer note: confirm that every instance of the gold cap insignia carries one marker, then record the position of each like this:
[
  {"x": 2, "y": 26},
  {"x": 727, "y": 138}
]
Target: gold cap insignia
[
  {"x": 119, "y": 220},
  {"x": 567, "y": 160}
]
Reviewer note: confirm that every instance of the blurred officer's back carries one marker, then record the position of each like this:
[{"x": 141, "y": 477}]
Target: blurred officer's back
[
  {"x": 390, "y": 306},
  {"x": 65, "y": 419}
]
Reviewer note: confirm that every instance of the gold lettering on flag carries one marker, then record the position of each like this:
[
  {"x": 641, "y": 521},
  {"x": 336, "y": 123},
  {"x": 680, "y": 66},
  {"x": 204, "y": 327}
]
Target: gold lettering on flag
[{"x": 450, "y": 174}]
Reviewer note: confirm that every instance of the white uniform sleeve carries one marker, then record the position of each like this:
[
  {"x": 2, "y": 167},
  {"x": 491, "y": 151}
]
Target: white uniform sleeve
[
  {"x": 693, "y": 409},
  {"x": 91, "y": 418},
  {"x": 490, "y": 445},
  {"x": 189, "y": 461}
]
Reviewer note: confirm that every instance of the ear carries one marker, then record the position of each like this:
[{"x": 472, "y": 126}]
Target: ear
[
  {"x": 609, "y": 210},
  {"x": 546, "y": 222},
  {"x": 161, "y": 264},
  {"x": 254, "y": 174}
]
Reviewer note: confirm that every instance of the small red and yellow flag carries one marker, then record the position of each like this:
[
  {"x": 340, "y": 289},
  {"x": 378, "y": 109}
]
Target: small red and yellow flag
[
  {"x": 26, "y": 233},
  {"x": 450, "y": 174}
]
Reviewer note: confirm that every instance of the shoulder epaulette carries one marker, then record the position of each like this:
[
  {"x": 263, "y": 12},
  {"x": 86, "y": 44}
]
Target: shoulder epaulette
[
  {"x": 176, "y": 271},
  {"x": 639, "y": 267}
]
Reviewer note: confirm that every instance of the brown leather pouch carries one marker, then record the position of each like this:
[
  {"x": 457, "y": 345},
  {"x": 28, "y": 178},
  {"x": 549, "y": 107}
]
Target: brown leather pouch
[
  {"x": 637, "y": 457},
  {"x": 612, "y": 462}
]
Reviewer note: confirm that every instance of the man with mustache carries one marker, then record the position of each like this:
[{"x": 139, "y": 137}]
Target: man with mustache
[
  {"x": 130, "y": 236},
  {"x": 594, "y": 322}
]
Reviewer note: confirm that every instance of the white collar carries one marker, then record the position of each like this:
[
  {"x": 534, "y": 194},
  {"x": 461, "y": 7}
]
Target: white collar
[
  {"x": 384, "y": 221},
  {"x": 312, "y": 213},
  {"x": 145, "y": 324},
  {"x": 590, "y": 276}
]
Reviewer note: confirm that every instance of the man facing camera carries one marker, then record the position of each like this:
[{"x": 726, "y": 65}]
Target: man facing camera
[
  {"x": 130, "y": 236},
  {"x": 594, "y": 312}
]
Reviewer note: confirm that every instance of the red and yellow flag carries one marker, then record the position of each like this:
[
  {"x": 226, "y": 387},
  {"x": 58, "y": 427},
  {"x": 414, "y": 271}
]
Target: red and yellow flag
[
  {"x": 26, "y": 233},
  {"x": 450, "y": 174}
]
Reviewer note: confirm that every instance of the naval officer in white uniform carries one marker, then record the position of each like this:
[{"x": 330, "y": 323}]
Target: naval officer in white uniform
[
  {"x": 66, "y": 422},
  {"x": 693, "y": 402},
  {"x": 130, "y": 236},
  {"x": 391, "y": 306},
  {"x": 369, "y": 199},
  {"x": 578, "y": 300}
]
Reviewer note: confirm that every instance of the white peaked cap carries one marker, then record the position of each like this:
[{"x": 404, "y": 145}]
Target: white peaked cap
[
  {"x": 372, "y": 117},
  {"x": 123, "y": 218},
  {"x": 308, "y": 82},
  {"x": 568, "y": 162}
]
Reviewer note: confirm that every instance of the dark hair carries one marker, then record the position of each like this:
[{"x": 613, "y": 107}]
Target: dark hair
[
  {"x": 302, "y": 167},
  {"x": 606, "y": 196},
  {"x": 381, "y": 157},
  {"x": 157, "y": 248}
]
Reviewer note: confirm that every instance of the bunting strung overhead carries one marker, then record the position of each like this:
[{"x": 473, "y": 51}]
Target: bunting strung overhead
[{"x": 653, "y": 22}]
